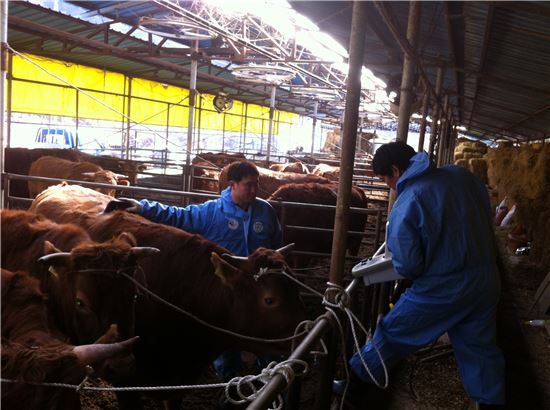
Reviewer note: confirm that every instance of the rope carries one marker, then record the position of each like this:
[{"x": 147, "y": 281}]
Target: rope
[
  {"x": 81, "y": 386},
  {"x": 341, "y": 301},
  {"x": 204, "y": 323},
  {"x": 238, "y": 384}
]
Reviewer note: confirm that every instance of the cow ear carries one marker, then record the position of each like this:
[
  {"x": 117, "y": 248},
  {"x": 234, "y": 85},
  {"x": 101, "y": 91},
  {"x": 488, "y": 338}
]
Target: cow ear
[
  {"x": 123, "y": 182},
  {"x": 54, "y": 256},
  {"x": 128, "y": 238},
  {"x": 223, "y": 270},
  {"x": 50, "y": 248}
]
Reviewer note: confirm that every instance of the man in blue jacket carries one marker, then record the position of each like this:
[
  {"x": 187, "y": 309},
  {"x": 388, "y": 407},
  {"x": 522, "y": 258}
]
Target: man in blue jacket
[
  {"x": 238, "y": 221},
  {"x": 441, "y": 237}
]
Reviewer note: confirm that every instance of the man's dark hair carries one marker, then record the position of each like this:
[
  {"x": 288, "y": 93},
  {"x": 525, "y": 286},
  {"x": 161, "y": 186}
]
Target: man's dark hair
[
  {"x": 394, "y": 153},
  {"x": 240, "y": 169}
]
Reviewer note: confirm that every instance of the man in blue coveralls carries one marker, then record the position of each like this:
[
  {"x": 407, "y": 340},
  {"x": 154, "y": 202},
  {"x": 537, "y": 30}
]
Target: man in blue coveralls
[
  {"x": 237, "y": 220},
  {"x": 441, "y": 236}
]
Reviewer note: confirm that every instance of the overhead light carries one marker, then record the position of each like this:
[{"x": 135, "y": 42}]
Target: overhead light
[
  {"x": 175, "y": 27},
  {"x": 318, "y": 93},
  {"x": 264, "y": 73}
]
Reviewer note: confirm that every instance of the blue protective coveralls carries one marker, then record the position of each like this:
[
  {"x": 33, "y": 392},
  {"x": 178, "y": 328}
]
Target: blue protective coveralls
[
  {"x": 441, "y": 237},
  {"x": 239, "y": 231},
  {"x": 223, "y": 221}
]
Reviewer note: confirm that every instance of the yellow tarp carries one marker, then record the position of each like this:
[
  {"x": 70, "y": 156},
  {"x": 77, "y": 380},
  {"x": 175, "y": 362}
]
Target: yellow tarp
[{"x": 151, "y": 102}]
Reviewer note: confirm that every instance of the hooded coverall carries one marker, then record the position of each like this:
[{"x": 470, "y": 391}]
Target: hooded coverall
[
  {"x": 441, "y": 237},
  {"x": 223, "y": 221},
  {"x": 241, "y": 232}
]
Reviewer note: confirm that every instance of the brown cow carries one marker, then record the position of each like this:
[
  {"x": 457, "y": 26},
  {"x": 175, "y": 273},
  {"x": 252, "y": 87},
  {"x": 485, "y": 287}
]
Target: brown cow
[
  {"x": 85, "y": 283},
  {"x": 327, "y": 171},
  {"x": 53, "y": 167},
  {"x": 19, "y": 160},
  {"x": 296, "y": 167},
  {"x": 205, "y": 178},
  {"x": 219, "y": 159},
  {"x": 270, "y": 180},
  {"x": 325, "y": 194},
  {"x": 191, "y": 273},
  {"x": 34, "y": 351}
]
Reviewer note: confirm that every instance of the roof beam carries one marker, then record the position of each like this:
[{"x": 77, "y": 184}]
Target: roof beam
[
  {"x": 404, "y": 44},
  {"x": 483, "y": 55},
  {"x": 456, "y": 51}
]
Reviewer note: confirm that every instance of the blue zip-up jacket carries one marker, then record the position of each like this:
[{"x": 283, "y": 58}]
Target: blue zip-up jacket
[
  {"x": 222, "y": 221},
  {"x": 440, "y": 231}
]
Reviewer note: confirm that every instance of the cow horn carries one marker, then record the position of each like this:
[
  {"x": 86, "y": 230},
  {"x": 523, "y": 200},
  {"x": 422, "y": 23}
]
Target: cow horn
[
  {"x": 285, "y": 250},
  {"x": 143, "y": 251},
  {"x": 88, "y": 174},
  {"x": 58, "y": 258},
  {"x": 234, "y": 260},
  {"x": 93, "y": 353}
]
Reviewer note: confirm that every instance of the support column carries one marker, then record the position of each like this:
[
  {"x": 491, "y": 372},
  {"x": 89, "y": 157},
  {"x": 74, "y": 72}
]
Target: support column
[
  {"x": 408, "y": 80},
  {"x": 3, "y": 68},
  {"x": 270, "y": 130},
  {"x": 9, "y": 76},
  {"x": 315, "y": 108},
  {"x": 443, "y": 132},
  {"x": 437, "y": 106},
  {"x": 425, "y": 110},
  {"x": 128, "y": 116},
  {"x": 191, "y": 117},
  {"x": 349, "y": 137}
]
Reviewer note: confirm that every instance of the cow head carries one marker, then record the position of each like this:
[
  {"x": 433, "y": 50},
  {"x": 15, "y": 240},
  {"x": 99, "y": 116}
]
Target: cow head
[
  {"x": 266, "y": 302},
  {"x": 91, "y": 288},
  {"x": 106, "y": 177}
]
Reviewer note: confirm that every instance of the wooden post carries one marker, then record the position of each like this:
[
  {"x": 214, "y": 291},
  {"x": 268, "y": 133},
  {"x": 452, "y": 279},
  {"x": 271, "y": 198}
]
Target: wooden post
[
  {"x": 425, "y": 109},
  {"x": 435, "y": 119},
  {"x": 408, "y": 80},
  {"x": 357, "y": 42}
]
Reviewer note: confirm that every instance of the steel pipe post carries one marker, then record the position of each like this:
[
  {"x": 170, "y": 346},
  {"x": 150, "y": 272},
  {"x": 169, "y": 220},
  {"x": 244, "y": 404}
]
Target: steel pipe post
[
  {"x": 191, "y": 117},
  {"x": 271, "y": 118},
  {"x": 3, "y": 69},
  {"x": 315, "y": 108}
]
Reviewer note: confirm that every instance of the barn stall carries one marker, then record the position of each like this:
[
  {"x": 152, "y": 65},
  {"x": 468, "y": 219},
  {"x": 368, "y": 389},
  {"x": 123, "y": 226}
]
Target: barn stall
[{"x": 460, "y": 67}]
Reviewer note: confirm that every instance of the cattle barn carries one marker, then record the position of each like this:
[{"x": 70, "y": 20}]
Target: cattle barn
[{"x": 104, "y": 100}]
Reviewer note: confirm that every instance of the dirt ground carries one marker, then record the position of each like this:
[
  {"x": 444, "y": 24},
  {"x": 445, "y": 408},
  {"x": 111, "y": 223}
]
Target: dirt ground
[{"x": 429, "y": 379}]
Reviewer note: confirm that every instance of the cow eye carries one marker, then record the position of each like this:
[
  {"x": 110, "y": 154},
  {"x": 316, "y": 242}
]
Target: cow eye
[
  {"x": 268, "y": 301},
  {"x": 136, "y": 297},
  {"x": 79, "y": 303}
]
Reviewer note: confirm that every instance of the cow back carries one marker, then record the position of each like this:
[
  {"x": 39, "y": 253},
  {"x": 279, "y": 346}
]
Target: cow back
[
  {"x": 323, "y": 194},
  {"x": 270, "y": 181},
  {"x": 19, "y": 160},
  {"x": 53, "y": 167}
]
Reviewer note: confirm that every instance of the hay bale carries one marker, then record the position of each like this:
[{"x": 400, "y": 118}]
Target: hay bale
[
  {"x": 523, "y": 174},
  {"x": 463, "y": 163},
  {"x": 470, "y": 155},
  {"x": 478, "y": 167}
]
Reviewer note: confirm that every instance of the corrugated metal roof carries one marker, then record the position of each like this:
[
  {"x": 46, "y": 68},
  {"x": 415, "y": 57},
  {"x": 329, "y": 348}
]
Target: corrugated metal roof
[{"x": 496, "y": 54}]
